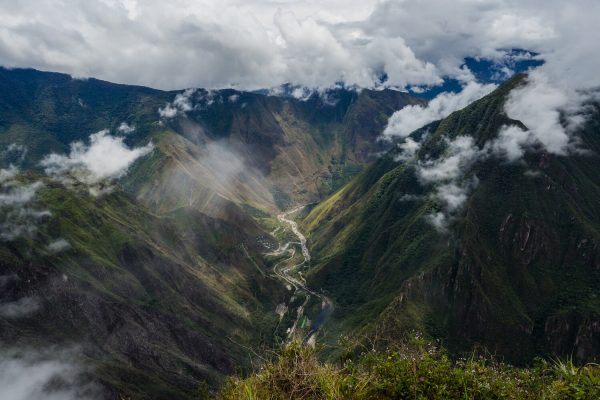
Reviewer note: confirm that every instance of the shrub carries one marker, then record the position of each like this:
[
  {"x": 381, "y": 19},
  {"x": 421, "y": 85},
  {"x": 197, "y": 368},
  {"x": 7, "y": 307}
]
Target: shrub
[{"x": 414, "y": 370}]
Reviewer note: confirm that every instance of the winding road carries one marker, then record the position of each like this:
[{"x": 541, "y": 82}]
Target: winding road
[{"x": 284, "y": 273}]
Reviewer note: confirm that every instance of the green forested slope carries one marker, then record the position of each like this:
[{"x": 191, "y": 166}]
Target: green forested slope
[
  {"x": 517, "y": 271},
  {"x": 162, "y": 282}
]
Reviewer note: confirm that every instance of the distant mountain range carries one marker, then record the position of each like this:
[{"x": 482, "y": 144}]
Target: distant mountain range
[{"x": 163, "y": 276}]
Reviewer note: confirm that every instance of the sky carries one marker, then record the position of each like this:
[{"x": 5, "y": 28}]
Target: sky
[
  {"x": 251, "y": 44},
  {"x": 257, "y": 44}
]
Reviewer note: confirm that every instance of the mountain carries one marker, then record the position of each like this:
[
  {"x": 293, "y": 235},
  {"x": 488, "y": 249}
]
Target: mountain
[
  {"x": 156, "y": 301},
  {"x": 304, "y": 148},
  {"x": 516, "y": 269},
  {"x": 181, "y": 268},
  {"x": 160, "y": 281}
]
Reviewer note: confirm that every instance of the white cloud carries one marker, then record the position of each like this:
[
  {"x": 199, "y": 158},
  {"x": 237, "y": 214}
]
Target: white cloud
[
  {"x": 302, "y": 93},
  {"x": 52, "y": 374},
  {"x": 263, "y": 43},
  {"x": 182, "y": 100},
  {"x": 8, "y": 173},
  {"x": 58, "y": 246},
  {"x": 23, "y": 307},
  {"x": 15, "y": 194},
  {"x": 18, "y": 217},
  {"x": 539, "y": 104},
  {"x": 180, "y": 105},
  {"x": 448, "y": 174},
  {"x": 21, "y": 221},
  {"x": 511, "y": 142},
  {"x": 551, "y": 116},
  {"x": 407, "y": 197},
  {"x": 126, "y": 128},
  {"x": 403, "y": 122},
  {"x": 168, "y": 111},
  {"x": 105, "y": 158},
  {"x": 453, "y": 195},
  {"x": 408, "y": 149},
  {"x": 438, "y": 220},
  {"x": 227, "y": 165},
  {"x": 563, "y": 34},
  {"x": 459, "y": 156}
]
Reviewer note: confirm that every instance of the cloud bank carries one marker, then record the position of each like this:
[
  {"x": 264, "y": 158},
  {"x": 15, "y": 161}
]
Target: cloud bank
[
  {"x": 264, "y": 43},
  {"x": 180, "y": 105},
  {"x": 551, "y": 115},
  {"x": 449, "y": 175},
  {"x": 544, "y": 110}
]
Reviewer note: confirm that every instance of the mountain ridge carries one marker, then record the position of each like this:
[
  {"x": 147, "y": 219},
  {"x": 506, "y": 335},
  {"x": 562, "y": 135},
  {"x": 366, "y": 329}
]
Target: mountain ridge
[
  {"x": 159, "y": 278},
  {"x": 471, "y": 287}
]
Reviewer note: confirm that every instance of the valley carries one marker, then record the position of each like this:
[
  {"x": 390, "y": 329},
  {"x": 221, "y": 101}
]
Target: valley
[
  {"x": 242, "y": 223},
  {"x": 163, "y": 267},
  {"x": 287, "y": 274},
  {"x": 299, "y": 200}
]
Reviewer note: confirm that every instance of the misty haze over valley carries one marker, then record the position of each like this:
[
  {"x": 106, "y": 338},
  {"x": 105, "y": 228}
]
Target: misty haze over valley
[{"x": 384, "y": 199}]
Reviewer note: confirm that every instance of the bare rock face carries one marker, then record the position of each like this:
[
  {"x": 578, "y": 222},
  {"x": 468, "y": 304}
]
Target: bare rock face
[
  {"x": 575, "y": 335},
  {"x": 138, "y": 339}
]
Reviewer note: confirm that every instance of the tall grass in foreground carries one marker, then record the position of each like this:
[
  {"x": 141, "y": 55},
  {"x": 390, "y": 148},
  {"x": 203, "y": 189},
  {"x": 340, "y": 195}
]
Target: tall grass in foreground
[{"x": 411, "y": 371}]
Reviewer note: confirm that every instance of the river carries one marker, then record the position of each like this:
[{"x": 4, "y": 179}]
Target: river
[{"x": 299, "y": 285}]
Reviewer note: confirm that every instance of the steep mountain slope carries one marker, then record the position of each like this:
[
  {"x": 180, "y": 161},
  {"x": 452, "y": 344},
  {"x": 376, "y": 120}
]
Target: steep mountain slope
[
  {"x": 157, "y": 303},
  {"x": 517, "y": 269},
  {"x": 162, "y": 282},
  {"x": 304, "y": 148},
  {"x": 287, "y": 149},
  {"x": 47, "y": 111}
]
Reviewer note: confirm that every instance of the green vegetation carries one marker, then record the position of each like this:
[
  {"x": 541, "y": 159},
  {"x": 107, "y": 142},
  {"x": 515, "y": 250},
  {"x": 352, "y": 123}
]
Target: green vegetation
[
  {"x": 414, "y": 370},
  {"x": 174, "y": 255},
  {"x": 181, "y": 284},
  {"x": 47, "y": 111},
  {"x": 167, "y": 280},
  {"x": 282, "y": 199},
  {"x": 517, "y": 271}
]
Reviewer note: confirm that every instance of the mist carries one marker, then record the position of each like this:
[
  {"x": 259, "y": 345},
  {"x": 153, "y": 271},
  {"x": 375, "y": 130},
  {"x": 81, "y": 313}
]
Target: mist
[
  {"x": 19, "y": 217},
  {"x": 49, "y": 374}
]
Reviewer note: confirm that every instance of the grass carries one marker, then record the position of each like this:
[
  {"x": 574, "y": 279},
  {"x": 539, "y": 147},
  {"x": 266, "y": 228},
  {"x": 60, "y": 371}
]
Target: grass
[{"x": 413, "y": 370}]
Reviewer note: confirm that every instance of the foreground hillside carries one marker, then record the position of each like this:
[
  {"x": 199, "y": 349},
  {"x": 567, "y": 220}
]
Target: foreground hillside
[
  {"x": 467, "y": 246},
  {"x": 413, "y": 370}
]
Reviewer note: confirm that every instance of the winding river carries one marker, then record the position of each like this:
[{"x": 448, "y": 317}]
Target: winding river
[{"x": 284, "y": 273}]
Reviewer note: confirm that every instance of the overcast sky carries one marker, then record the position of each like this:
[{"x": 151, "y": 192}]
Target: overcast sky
[{"x": 262, "y": 43}]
